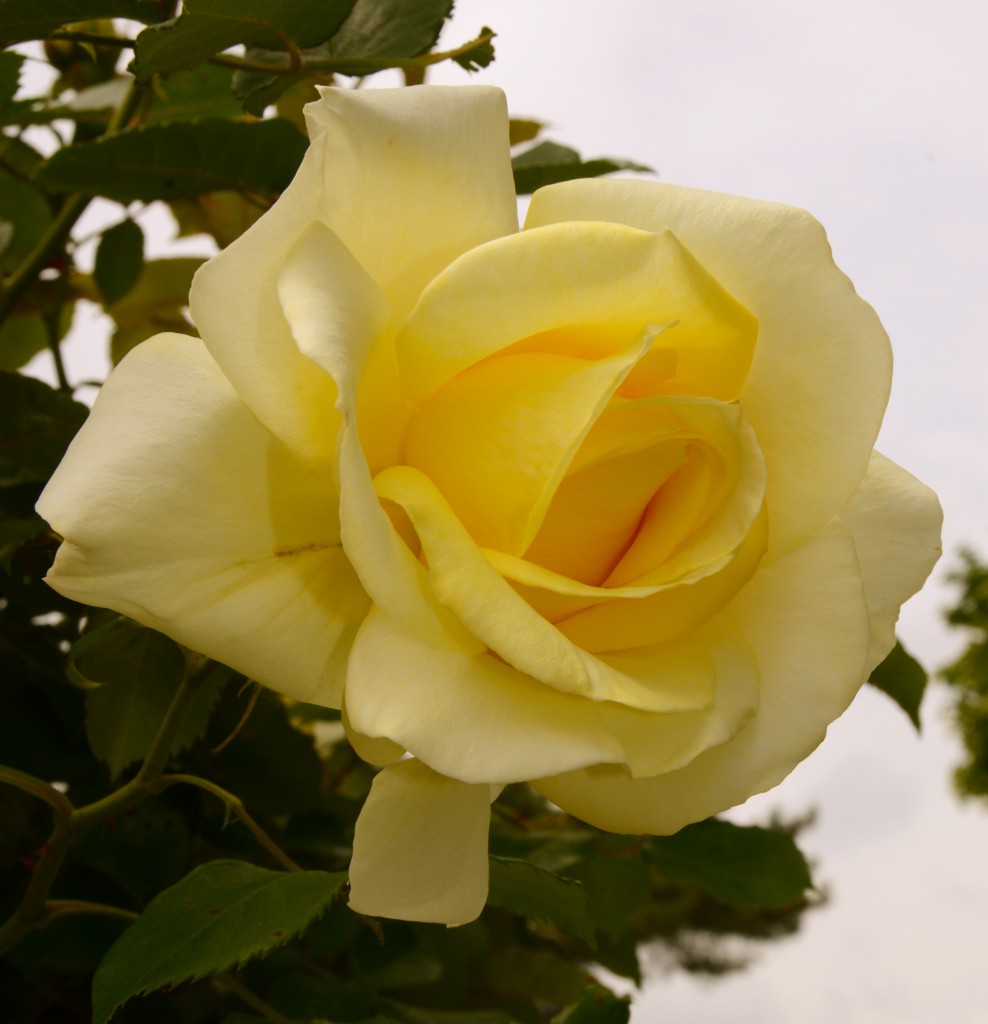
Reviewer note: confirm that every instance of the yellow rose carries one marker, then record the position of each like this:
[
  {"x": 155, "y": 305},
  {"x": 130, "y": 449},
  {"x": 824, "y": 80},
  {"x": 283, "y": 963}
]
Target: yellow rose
[{"x": 592, "y": 505}]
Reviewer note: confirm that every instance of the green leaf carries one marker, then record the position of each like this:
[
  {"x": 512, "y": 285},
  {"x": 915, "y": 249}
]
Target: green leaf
[
  {"x": 617, "y": 878},
  {"x": 534, "y": 973},
  {"x": 36, "y": 425},
  {"x": 21, "y": 20},
  {"x": 10, "y": 75},
  {"x": 13, "y": 533},
  {"x": 19, "y": 159},
  {"x": 219, "y": 916},
  {"x": 207, "y": 27},
  {"x": 597, "y": 1005},
  {"x": 902, "y": 677},
  {"x": 402, "y": 1013},
  {"x": 154, "y": 304},
  {"x": 135, "y": 673},
  {"x": 26, "y": 210},
  {"x": 522, "y": 129},
  {"x": 180, "y": 159},
  {"x": 206, "y": 91},
  {"x": 549, "y": 163},
  {"x": 22, "y": 337},
  {"x": 525, "y": 889},
  {"x": 119, "y": 260},
  {"x": 746, "y": 867},
  {"x": 391, "y": 28}
]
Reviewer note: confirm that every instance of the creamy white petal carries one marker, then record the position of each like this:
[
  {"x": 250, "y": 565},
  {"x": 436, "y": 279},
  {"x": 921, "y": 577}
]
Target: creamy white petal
[
  {"x": 414, "y": 178},
  {"x": 472, "y": 717},
  {"x": 420, "y": 847},
  {"x": 180, "y": 509},
  {"x": 806, "y": 622},
  {"x": 895, "y": 521}
]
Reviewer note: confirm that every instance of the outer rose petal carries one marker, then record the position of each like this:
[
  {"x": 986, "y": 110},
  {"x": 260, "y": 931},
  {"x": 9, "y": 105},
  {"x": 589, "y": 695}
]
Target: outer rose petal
[
  {"x": 806, "y": 621},
  {"x": 420, "y": 847},
  {"x": 895, "y": 522},
  {"x": 409, "y": 179},
  {"x": 822, "y": 368},
  {"x": 414, "y": 178},
  {"x": 179, "y": 509},
  {"x": 487, "y": 722}
]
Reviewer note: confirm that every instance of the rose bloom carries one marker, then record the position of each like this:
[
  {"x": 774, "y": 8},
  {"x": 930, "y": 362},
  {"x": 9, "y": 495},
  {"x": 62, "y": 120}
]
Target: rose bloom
[{"x": 591, "y": 505}]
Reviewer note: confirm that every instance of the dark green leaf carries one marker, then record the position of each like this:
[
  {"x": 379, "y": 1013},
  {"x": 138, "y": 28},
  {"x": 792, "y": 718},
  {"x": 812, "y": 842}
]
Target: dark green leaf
[
  {"x": 271, "y": 766},
  {"x": 207, "y": 27},
  {"x": 146, "y": 848},
  {"x": 22, "y": 337},
  {"x": 477, "y": 54},
  {"x": 35, "y": 19},
  {"x": 224, "y": 215},
  {"x": 530, "y": 891},
  {"x": 27, "y": 212},
  {"x": 181, "y": 159},
  {"x": 206, "y": 91},
  {"x": 36, "y": 425},
  {"x": 154, "y": 304},
  {"x": 597, "y": 1005},
  {"x": 119, "y": 260},
  {"x": 747, "y": 868},
  {"x": 391, "y": 28},
  {"x": 10, "y": 74},
  {"x": 521, "y": 129},
  {"x": 136, "y": 672},
  {"x": 535, "y": 973},
  {"x": 549, "y": 163},
  {"x": 902, "y": 677},
  {"x": 219, "y": 916},
  {"x": 13, "y": 533},
  {"x": 617, "y": 879},
  {"x": 402, "y": 1013},
  {"x": 19, "y": 159}
]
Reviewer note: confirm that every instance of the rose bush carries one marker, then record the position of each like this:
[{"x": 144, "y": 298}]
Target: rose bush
[{"x": 591, "y": 505}]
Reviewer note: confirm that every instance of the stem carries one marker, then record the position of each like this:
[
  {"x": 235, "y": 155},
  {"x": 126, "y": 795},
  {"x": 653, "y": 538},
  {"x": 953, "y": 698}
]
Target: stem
[
  {"x": 235, "y": 806},
  {"x": 297, "y": 61},
  {"x": 68, "y": 908},
  {"x": 31, "y": 913},
  {"x": 227, "y": 984},
  {"x": 61, "y": 226},
  {"x": 58, "y": 802}
]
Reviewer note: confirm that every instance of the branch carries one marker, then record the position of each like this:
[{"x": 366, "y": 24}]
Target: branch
[
  {"x": 57, "y": 801},
  {"x": 234, "y": 806}
]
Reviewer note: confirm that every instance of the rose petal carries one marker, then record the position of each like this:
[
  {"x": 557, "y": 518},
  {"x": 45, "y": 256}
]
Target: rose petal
[
  {"x": 498, "y": 438},
  {"x": 580, "y": 290},
  {"x": 487, "y": 722},
  {"x": 420, "y": 847},
  {"x": 465, "y": 582},
  {"x": 822, "y": 367},
  {"x": 179, "y": 509},
  {"x": 895, "y": 521},
  {"x": 806, "y": 622},
  {"x": 414, "y": 178}
]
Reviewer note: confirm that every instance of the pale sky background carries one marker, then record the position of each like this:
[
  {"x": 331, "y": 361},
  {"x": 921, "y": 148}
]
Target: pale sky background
[{"x": 873, "y": 116}]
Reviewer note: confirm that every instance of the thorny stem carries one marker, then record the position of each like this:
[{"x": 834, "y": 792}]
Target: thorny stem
[
  {"x": 234, "y": 806},
  {"x": 225, "y": 983},
  {"x": 33, "y": 910},
  {"x": 296, "y": 61}
]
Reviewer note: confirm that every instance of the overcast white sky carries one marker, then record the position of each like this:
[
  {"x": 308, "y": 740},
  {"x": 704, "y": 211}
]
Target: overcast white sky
[{"x": 872, "y": 115}]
